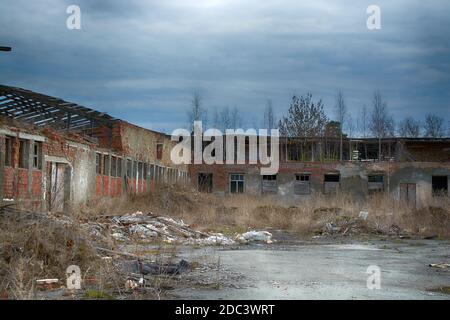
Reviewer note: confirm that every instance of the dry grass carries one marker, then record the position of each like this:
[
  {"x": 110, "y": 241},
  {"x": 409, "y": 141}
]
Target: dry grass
[
  {"x": 238, "y": 213},
  {"x": 42, "y": 248},
  {"x": 38, "y": 248}
]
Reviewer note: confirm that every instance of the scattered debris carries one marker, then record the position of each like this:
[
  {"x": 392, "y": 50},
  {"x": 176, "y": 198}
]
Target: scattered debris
[
  {"x": 131, "y": 284},
  {"x": 440, "y": 265},
  {"x": 47, "y": 281},
  {"x": 363, "y": 215},
  {"x": 149, "y": 227},
  {"x": 214, "y": 239},
  {"x": 261, "y": 236},
  {"x": 157, "y": 268}
]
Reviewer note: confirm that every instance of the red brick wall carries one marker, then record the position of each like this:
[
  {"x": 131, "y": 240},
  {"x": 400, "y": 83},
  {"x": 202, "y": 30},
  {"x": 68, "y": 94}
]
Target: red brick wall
[
  {"x": 8, "y": 183},
  {"x": 36, "y": 188}
]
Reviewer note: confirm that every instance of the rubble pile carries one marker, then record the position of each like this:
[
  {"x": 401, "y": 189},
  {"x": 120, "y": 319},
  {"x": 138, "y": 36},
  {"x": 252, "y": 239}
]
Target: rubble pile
[
  {"x": 353, "y": 226},
  {"x": 149, "y": 227}
]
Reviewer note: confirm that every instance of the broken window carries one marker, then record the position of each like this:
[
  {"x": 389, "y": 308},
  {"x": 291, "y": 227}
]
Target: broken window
[
  {"x": 156, "y": 173},
  {"x": 236, "y": 183},
  {"x": 134, "y": 170},
  {"x": 129, "y": 168},
  {"x": 331, "y": 183},
  {"x": 106, "y": 165},
  {"x": 8, "y": 151},
  {"x": 119, "y": 167},
  {"x": 301, "y": 185},
  {"x": 152, "y": 172},
  {"x": 375, "y": 183},
  {"x": 24, "y": 149},
  {"x": 37, "y": 155},
  {"x": 205, "y": 182},
  {"x": 439, "y": 185},
  {"x": 113, "y": 166},
  {"x": 294, "y": 152},
  {"x": 145, "y": 171},
  {"x": 98, "y": 163},
  {"x": 140, "y": 171},
  {"x": 269, "y": 184},
  {"x": 159, "y": 150}
]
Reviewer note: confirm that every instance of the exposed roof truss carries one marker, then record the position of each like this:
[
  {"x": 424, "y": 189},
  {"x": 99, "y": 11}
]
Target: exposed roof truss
[{"x": 42, "y": 110}]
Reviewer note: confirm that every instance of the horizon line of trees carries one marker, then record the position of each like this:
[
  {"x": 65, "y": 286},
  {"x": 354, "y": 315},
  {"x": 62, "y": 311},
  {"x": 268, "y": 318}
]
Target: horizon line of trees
[{"x": 307, "y": 118}]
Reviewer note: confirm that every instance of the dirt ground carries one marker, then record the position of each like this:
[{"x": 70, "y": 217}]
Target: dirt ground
[{"x": 321, "y": 269}]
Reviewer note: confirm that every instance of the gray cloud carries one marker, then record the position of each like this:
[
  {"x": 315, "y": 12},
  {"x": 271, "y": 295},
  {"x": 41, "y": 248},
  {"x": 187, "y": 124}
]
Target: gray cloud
[{"x": 141, "y": 61}]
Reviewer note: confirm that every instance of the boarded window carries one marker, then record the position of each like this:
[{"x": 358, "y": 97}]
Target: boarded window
[
  {"x": 236, "y": 183},
  {"x": 37, "y": 155},
  {"x": 205, "y": 182},
  {"x": 106, "y": 165},
  {"x": 439, "y": 185},
  {"x": 8, "y": 150},
  {"x": 269, "y": 184},
  {"x": 159, "y": 150},
  {"x": 301, "y": 184},
  {"x": 331, "y": 183},
  {"x": 24, "y": 149},
  {"x": 408, "y": 194},
  {"x": 375, "y": 183},
  {"x": 98, "y": 163}
]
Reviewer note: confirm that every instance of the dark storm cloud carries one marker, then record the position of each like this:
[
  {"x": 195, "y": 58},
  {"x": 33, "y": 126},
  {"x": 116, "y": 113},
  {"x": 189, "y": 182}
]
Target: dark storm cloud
[{"x": 141, "y": 60}]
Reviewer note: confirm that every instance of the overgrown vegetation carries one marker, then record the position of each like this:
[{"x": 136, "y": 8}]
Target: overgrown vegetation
[
  {"x": 240, "y": 212},
  {"x": 37, "y": 247}
]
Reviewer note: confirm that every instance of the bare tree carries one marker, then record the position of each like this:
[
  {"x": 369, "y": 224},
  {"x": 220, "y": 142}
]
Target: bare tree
[
  {"x": 434, "y": 126},
  {"x": 305, "y": 118},
  {"x": 362, "y": 122},
  {"x": 235, "y": 118},
  {"x": 382, "y": 124},
  {"x": 196, "y": 112},
  {"x": 409, "y": 128},
  {"x": 269, "y": 121},
  {"x": 341, "y": 112},
  {"x": 215, "y": 119}
]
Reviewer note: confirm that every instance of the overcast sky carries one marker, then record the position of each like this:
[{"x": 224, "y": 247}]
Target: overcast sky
[{"x": 142, "y": 60}]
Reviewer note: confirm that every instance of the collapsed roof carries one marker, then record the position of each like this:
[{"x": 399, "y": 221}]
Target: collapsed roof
[{"x": 42, "y": 110}]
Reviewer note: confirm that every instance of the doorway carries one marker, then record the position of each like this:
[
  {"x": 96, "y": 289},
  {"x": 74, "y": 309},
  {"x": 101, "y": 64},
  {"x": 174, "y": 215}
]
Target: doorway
[{"x": 58, "y": 186}]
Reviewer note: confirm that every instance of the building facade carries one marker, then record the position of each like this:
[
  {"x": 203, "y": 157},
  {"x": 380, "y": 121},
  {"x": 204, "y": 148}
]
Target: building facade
[
  {"x": 410, "y": 170},
  {"x": 55, "y": 155}
]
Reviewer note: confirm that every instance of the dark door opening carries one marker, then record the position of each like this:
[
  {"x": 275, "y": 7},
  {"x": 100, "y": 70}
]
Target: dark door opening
[
  {"x": 331, "y": 183},
  {"x": 205, "y": 182},
  {"x": 439, "y": 185}
]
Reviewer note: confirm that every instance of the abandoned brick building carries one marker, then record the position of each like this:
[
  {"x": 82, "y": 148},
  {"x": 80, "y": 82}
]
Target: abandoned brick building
[
  {"x": 54, "y": 154},
  {"x": 409, "y": 169}
]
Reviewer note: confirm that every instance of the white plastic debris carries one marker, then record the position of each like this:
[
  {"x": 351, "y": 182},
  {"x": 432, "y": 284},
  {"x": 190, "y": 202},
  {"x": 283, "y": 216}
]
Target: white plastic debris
[
  {"x": 214, "y": 239},
  {"x": 363, "y": 215},
  {"x": 440, "y": 265},
  {"x": 130, "y": 284},
  {"x": 262, "y": 236}
]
